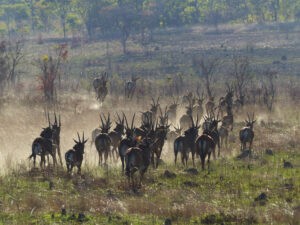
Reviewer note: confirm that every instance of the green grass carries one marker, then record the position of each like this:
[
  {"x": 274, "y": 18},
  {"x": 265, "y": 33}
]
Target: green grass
[{"x": 226, "y": 194}]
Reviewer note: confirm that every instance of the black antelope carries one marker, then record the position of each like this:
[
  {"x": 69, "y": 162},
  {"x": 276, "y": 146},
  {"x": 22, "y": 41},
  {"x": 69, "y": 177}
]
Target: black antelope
[
  {"x": 103, "y": 141},
  {"x": 185, "y": 143},
  {"x": 205, "y": 145},
  {"x": 116, "y": 136},
  {"x": 138, "y": 159},
  {"x": 130, "y": 87},
  {"x": 212, "y": 131},
  {"x": 74, "y": 156},
  {"x": 100, "y": 86},
  {"x": 247, "y": 133},
  {"x": 44, "y": 146},
  {"x": 185, "y": 120},
  {"x": 129, "y": 141},
  {"x": 160, "y": 135},
  {"x": 172, "y": 110}
]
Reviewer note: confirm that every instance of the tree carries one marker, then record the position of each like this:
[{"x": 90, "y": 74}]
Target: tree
[{"x": 4, "y": 67}]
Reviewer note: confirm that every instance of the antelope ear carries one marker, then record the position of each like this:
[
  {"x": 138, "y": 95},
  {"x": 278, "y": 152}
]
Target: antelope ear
[
  {"x": 254, "y": 121},
  {"x": 85, "y": 141},
  {"x": 75, "y": 141}
]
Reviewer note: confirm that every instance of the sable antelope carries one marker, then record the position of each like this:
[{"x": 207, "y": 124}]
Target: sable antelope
[
  {"x": 205, "y": 145},
  {"x": 160, "y": 134},
  {"x": 247, "y": 133},
  {"x": 150, "y": 116},
  {"x": 185, "y": 121},
  {"x": 228, "y": 119},
  {"x": 56, "y": 127},
  {"x": 100, "y": 86},
  {"x": 138, "y": 159},
  {"x": 44, "y": 146},
  {"x": 226, "y": 102},
  {"x": 129, "y": 141},
  {"x": 103, "y": 141},
  {"x": 212, "y": 131},
  {"x": 130, "y": 87},
  {"x": 172, "y": 135},
  {"x": 74, "y": 156},
  {"x": 116, "y": 135},
  {"x": 185, "y": 143},
  {"x": 210, "y": 105},
  {"x": 198, "y": 108},
  {"x": 172, "y": 110},
  {"x": 223, "y": 132}
]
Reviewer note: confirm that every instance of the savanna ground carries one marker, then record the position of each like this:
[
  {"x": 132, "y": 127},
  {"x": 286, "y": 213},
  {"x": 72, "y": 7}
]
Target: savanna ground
[{"x": 227, "y": 194}]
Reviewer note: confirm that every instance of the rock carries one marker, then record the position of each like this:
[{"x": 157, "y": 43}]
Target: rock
[
  {"x": 190, "y": 184},
  {"x": 269, "y": 152},
  {"x": 168, "y": 221},
  {"x": 192, "y": 171},
  {"x": 169, "y": 174},
  {"x": 261, "y": 199},
  {"x": 287, "y": 164},
  {"x": 81, "y": 217},
  {"x": 244, "y": 154}
]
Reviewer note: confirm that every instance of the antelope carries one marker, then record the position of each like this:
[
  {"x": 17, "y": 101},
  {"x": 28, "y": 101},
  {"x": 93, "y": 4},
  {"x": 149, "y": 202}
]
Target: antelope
[
  {"x": 228, "y": 119},
  {"x": 205, "y": 145},
  {"x": 185, "y": 121},
  {"x": 185, "y": 143},
  {"x": 74, "y": 156},
  {"x": 103, "y": 141},
  {"x": 223, "y": 132},
  {"x": 210, "y": 105},
  {"x": 138, "y": 159},
  {"x": 100, "y": 86},
  {"x": 129, "y": 141},
  {"x": 212, "y": 131},
  {"x": 150, "y": 116},
  {"x": 130, "y": 87},
  {"x": 198, "y": 108},
  {"x": 116, "y": 135},
  {"x": 247, "y": 133},
  {"x": 160, "y": 136},
  {"x": 226, "y": 102},
  {"x": 44, "y": 146},
  {"x": 56, "y": 135},
  {"x": 172, "y": 135},
  {"x": 172, "y": 110}
]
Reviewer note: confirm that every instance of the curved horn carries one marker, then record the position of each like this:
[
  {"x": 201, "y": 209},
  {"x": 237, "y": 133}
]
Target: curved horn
[
  {"x": 78, "y": 137},
  {"x": 49, "y": 120},
  {"x": 132, "y": 122}
]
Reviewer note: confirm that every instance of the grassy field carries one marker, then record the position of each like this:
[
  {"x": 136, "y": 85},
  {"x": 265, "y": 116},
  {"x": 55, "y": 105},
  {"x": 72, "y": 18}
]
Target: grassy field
[{"x": 253, "y": 190}]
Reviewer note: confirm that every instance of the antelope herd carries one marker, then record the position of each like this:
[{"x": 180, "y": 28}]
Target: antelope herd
[{"x": 141, "y": 146}]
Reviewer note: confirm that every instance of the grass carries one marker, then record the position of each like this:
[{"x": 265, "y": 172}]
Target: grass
[{"x": 224, "y": 194}]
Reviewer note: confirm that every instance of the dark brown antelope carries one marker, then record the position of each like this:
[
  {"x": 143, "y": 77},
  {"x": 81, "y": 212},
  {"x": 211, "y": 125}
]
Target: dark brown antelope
[
  {"x": 116, "y": 136},
  {"x": 198, "y": 108},
  {"x": 138, "y": 159},
  {"x": 228, "y": 119},
  {"x": 185, "y": 143},
  {"x": 44, "y": 146},
  {"x": 247, "y": 133},
  {"x": 223, "y": 132},
  {"x": 129, "y": 141},
  {"x": 205, "y": 145},
  {"x": 226, "y": 101},
  {"x": 103, "y": 141},
  {"x": 210, "y": 106},
  {"x": 100, "y": 86},
  {"x": 56, "y": 127},
  {"x": 185, "y": 121},
  {"x": 160, "y": 135},
  {"x": 130, "y": 87},
  {"x": 74, "y": 156},
  {"x": 172, "y": 110},
  {"x": 212, "y": 131}
]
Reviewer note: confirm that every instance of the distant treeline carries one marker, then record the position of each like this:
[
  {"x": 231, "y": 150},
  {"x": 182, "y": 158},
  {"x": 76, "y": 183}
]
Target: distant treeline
[{"x": 123, "y": 17}]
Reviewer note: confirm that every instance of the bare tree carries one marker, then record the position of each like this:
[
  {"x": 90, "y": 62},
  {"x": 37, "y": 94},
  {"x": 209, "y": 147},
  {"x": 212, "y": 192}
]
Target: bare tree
[
  {"x": 207, "y": 67},
  {"x": 50, "y": 67},
  {"x": 269, "y": 89},
  {"x": 241, "y": 76},
  {"x": 15, "y": 55},
  {"x": 4, "y": 67}
]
